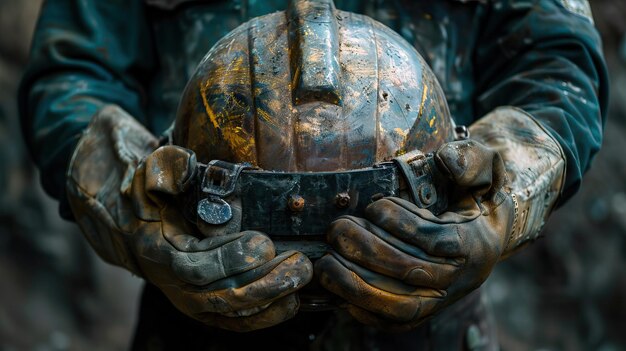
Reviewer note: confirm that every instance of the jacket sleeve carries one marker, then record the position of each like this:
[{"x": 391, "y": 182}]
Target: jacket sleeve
[
  {"x": 539, "y": 56},
  {"x": 85, "y": 54}
]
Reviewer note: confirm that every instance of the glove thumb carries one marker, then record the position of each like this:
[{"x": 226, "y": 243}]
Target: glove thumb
[{"x": 472, "y": 166}]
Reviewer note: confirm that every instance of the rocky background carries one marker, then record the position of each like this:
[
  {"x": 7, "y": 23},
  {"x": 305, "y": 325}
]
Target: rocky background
[
  {"x": 566, "y": 292},
  {"x": 55, "y": 293}
]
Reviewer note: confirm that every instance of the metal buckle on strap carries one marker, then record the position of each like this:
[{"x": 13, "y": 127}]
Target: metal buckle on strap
[
  {"x": 219, "y": 180},
  {"x": 425, "y": 183}
]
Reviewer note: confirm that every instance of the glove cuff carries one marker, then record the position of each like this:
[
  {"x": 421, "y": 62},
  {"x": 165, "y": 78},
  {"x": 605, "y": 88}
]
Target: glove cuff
[
  {"x": 535, "y": 164},
  {"x": 99, "y": 173}
]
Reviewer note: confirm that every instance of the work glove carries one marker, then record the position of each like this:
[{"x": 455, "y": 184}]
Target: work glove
[
  {"x": 401, "y": 264},
  {"x": 122, "y": 191}
]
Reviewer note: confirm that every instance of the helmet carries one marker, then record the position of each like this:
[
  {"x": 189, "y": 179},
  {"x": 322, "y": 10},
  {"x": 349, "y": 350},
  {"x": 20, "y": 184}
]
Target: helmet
[
  {"x": 311, "y": 89},
  {"x": 314, "y": 97}
]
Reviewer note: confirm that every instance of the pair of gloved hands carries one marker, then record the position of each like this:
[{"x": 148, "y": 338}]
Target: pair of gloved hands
[{"x": 395, "y": 268}]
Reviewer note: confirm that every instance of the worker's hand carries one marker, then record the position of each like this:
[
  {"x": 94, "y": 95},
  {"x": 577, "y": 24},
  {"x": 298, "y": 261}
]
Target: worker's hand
[
  {"x": 401, "y": 264},
  {"x": 122, "y": 195}
]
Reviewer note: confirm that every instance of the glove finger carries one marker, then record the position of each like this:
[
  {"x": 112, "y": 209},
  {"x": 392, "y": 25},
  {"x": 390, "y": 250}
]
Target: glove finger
[
  {"x": 340, "y": 280},
  {"x": 150, "y": 182},
  {"x": 281, "y": 276},
  {"x": 471, "y": 164},
  {"x": 246, "y": 252},
  {"x": 143, "y": 206},
  {"x": 385, "y": 283},
  {"x": 169, "y": 170},
  {"x": 363, "y": 243},
  {"x": 436, "y": 239},
  {"x": 223, "y": 256},
  {"x": 293, "y": 271},
  {"x": 277, "y": 312}
]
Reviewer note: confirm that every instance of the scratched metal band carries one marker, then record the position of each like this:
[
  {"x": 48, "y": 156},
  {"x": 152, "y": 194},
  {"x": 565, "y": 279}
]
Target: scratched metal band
[{"x": 295, "y": 208}]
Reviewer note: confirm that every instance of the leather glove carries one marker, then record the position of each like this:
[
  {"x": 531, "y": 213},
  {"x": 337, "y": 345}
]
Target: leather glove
[
  {"x": 122, "y": 195},
  {"x": 401, "y": 264}
]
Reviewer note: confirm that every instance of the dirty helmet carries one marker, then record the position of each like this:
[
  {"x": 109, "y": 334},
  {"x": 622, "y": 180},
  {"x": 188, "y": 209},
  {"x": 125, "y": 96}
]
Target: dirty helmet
[{"x": 297, "y": 117}]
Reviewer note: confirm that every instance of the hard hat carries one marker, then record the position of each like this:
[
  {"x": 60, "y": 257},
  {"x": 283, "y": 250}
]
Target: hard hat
[
  {"x": 294, "y": 116},
  {"x": 311, "y": 89}
]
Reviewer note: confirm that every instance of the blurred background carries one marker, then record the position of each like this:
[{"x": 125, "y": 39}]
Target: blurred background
[{"x": 566, "y": 292}]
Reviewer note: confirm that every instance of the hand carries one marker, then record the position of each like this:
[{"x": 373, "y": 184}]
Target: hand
[
  {"x": 401, "y": 264},
  {"x": 124, "y": 205}
]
